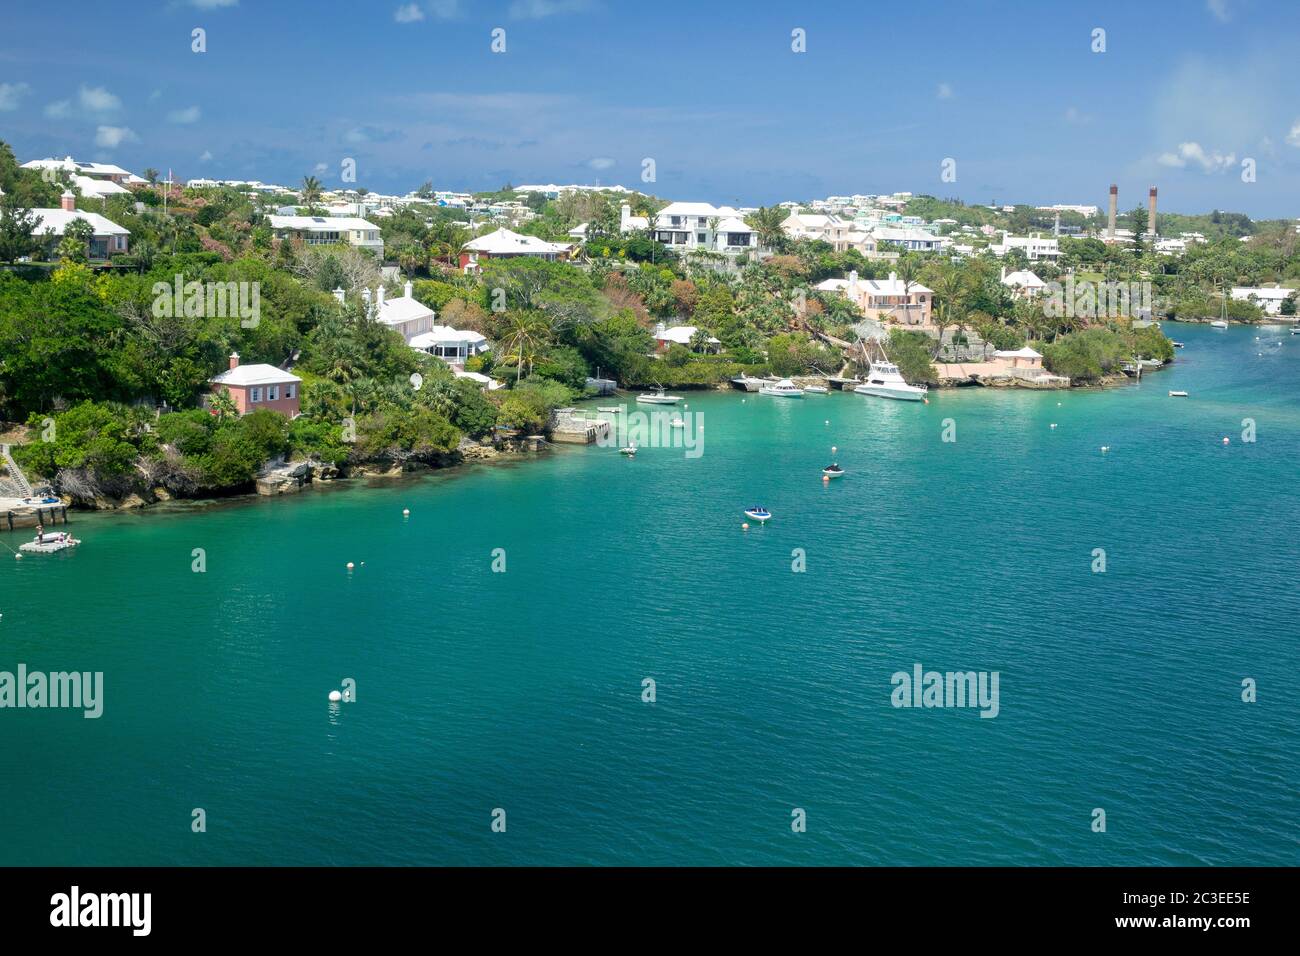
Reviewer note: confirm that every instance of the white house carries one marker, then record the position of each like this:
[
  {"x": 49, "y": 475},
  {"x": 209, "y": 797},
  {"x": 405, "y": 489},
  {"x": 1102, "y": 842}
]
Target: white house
[
  {"x": 1035, "y": 247},
  {"x": 1268, "y": 299},
  {"x": 451, "y": 345},
  {"x": 1023, "y": 282},
  {"x": 911, "y": 239},
  {"x": 818, "y": 227},
  {"x": 691, "y": 226},
  {"x": 1020, "y": 358},
  {"x": 108, "y": 239},
  {"x": 505, "y": 244},
  {"x": 666, "y": 338},
  {"x": 405, "y": 313},
  {"x": 102, "y": 171},
  {"x": 885, "y": 300},
  {"x": 325, "y": 230},
  {"x": 630, "y": 223}
]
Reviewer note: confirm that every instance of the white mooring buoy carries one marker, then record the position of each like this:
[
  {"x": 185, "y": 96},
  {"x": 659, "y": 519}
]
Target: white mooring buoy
[{"x": 335, "y": 696}]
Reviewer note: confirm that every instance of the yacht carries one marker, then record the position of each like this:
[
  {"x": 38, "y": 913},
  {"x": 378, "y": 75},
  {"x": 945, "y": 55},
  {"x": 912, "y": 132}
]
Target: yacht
[
  {"x": 658, "y": 398},
  {"x": 1218, "y": 324},
  {"x": 782, "y": 389},
  {"x": 816, "y": 390},
  {"x": 885, "y": 381}
]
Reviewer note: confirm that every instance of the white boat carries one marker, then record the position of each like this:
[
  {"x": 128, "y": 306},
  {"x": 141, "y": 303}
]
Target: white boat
[
  {"x": 677, "y": 423},
  {"x": 782, "y": 389},
  {"x": 630, "y": 451},
  {"x": 758, "y": 513},
  {"x": 885, "y": 381},
  {"x": 658, "y": 398},
  {"x": 610, "y": 409},
  {"x": 833, "y": 471},
  {"x": 1176, "y": 393},
  {"x": 816, "y": 390},
  {"x": 52, "y": 543},
  {"x": 1176, "y": 345},
  {"x": 746, "y": 383},
  {"x": 1218, "y": 324},
  {"x": 1295, "y": 330}
]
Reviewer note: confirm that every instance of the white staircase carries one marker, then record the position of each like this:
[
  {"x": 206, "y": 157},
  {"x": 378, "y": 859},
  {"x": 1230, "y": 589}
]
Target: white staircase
[{"x": 16, "y": 477}]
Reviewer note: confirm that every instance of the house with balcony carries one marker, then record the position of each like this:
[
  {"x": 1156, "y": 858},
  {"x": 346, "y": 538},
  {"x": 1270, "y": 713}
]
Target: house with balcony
[
  {"x": 328, "y": 230},
  {"x": 108, "y": 238},
  {"x": 1023, "y": 283},
  {"x": 908, "y": 238},
  {"x": 701, "y": 226},
  {"x": 885, "y": 300},
  {"x": 259, "y": 386},
  {"x": 819, "y": 227},
  {"x": 1034, "y": 247},
  {"x": 68, "y": 168},
  {"x": 405, "y": 313},
  {"x": 1268, "y": 299}
]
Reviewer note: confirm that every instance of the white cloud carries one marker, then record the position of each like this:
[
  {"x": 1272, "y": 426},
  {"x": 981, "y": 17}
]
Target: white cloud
[
  {"x": 1195, "y": 154},
  {"x": 96, "y": 99},
  {"x": 60, "y": 109},
  {"x": 1219, "y": 10},
  {"x": 110, "y": 137},
  {"x": 541, "y": 9},
  {"x": 1293, "y": 137},
  {"x": 408, "y": 13},
  {"x": 320, "y": 168},
  {"x": 207, "y": 156},
  {"x": 213, "y": 4},
  {"x": 600, "y": 162},
  {"x": 190, "y": 114},
  {"x": 944, "y": 92},
  {"x": 11, "y": 93}
]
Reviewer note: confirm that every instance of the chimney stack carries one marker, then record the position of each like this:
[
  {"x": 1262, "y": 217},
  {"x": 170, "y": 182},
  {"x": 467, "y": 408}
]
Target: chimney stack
[
  {"x": 1114, "y": 208},
  {"x": 339, "y": 294},
  {"x": 234, "y": 360},
  {"x": 68, "y": 201},
  {"x": 379, "y": 296},
  {"x": 406, "y": 289},
  {"x": 1151, "y": 212}
]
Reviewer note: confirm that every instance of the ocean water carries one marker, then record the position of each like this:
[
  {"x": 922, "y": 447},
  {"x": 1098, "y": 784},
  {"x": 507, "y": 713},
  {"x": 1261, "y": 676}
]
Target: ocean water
[{"x": 522, "y": 690}]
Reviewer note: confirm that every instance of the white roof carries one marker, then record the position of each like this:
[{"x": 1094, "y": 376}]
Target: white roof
[
  {"x": 892, "y": 234},
  {"x": 892, "y": 286},
  {"x": 680, "y": 334},
  {"x": 733, "y": 225},
  {"x": 444, "y": 335},
  {"x": 1025, "y": 352},
  {"x": 1245, "y": 292},
  {"x": 256, "y": 374},
  {"x": 503, "y": 242},
  {"x": 492, "y": 384},
  {"x": 321, "y": 223},
  {"x": 1023, "y": 277},
  {"x": 403, "y": 309},
  {"x": 58, "y": 219},
  {"x": 98, "y": 188}
]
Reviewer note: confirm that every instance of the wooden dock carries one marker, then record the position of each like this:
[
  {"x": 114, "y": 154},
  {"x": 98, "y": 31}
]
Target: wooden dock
[{"x": 47, "y": 515}]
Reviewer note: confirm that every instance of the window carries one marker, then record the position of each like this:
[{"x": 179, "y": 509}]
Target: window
[
  {"x": 701, "y": 238},
  {"x": 288, "y": 391},
  {"x": 272, "y": 392},
  {"x": 254, "y": 395}
]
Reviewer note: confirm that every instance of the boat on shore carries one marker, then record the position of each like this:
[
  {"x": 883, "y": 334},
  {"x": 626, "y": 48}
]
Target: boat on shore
[
  {"x": 658, "y": 398},
  {"x": 746, "y": 383},
  {"x": 782, "y": 389},
  {"x": 885, "y": 381}
]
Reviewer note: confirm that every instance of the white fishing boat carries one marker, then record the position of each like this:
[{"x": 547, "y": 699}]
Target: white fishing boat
[
  {"x": 833, "y": 471},
  {"x": 658, "y": 398},
  {"x": 50, "y": 543},
  {"x": 758, "y": 513},
  {"x": 782, "y": 389},
  {"x": 1177, "y": 393},
  {"x": 816, "y": 390},
  {"x": 1177, "y": 345},
  {"x": 630, "y": 451},
  {"x": 885, "y": 381}
]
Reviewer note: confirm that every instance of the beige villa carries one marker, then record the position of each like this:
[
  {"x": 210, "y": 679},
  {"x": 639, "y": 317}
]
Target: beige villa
[{"x": 885, "y": 300}]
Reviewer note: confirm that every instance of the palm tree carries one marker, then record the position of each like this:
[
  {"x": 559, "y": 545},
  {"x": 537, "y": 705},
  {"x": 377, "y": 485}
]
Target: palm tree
[
  {"x": 525, "y": 337},
  {"x": 950, "y": 291},
  {"x": 310, "y": 191},
  {"x": 766, "y": 223}
]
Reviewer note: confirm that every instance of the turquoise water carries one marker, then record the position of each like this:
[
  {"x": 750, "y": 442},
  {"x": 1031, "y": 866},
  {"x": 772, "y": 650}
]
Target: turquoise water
[{"x": 522, "y": 690}]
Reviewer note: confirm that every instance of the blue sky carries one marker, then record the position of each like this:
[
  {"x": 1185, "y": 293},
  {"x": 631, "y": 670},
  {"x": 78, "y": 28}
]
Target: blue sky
[{"x": 1184, "y": 92}]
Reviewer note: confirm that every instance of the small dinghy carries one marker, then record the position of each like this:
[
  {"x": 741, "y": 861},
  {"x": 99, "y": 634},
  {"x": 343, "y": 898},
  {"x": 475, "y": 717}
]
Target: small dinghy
[
  {"x": 758, "y": 513},
  {"x": 816, "y": 390},
  {"x": 611, "y": 409},
  {"x": 833, "y": 471},
  {"x": 1174, "y": 393},
  {"x": 677, "y": 423},
  {"x": 630, "y": 451},
  {"x": 51, "y": 543}
]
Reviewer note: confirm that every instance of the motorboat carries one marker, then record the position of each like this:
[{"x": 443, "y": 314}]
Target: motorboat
[
  {"x": 782, "y": 389},
  {"x": 610, "y": 409},
  {"x": 1177, "y": 345},
  {"x": 630, "y": 451},
  {"x": 833, "y": 471},
  {"x": 816, "y": 390},
  {"x": 658, "y": 398},
  {"x": 677, "y": 423},
  {"x": 50, "y": 543},
  {"x": 1177, "y": 393},
  {"x": 1295, "y": 330},
  {"x": 885, "y": 381},
  {"x": 758, "y": 513}
]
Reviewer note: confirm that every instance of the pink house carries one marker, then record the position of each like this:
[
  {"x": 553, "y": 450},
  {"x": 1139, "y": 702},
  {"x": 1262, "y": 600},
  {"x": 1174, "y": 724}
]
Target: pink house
[{"x": 259, "y": 386}]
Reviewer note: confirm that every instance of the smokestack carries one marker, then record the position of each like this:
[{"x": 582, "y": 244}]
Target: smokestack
[
  {"x": 1114, "y": 208},
  {"x": 1151, "y": 212}
]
